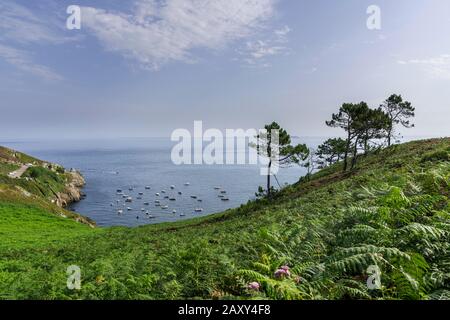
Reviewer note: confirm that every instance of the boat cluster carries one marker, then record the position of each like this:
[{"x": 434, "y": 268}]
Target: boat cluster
[{"x": 161, "y": 200}]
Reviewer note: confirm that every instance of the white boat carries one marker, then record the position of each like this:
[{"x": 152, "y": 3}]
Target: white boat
[
  {"x": 147, "y": 212},
  {"x": 142, "y": 209},
  {"x": 221, "y": 196},
  {"x": 172, "y": 187},
  {"x": 129, "y": 209},
  {"x": 129, "y": 199},
  {"x": 151, "y": 217},
  {"x": 174, "y": 211},
  {"x": 119, "y": 211},
  {"x": 182, "y": 214},
  {"x": 163, "y": 191},
  {"x": 157, "y": 204},
  {"x": 157, "y": 194},
  {"x": 157, "y": 201},
  {"x": 198, "y": 209},
  {"x": 187, "y": 183},
  {"x": 130, "y": 188},
  {"x": 164, "y": 207}
]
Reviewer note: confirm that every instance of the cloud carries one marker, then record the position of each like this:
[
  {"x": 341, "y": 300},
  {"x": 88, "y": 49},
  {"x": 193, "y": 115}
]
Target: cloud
[
  {"x": 23, "y": 61},
  {"x": 256, "y": 52},
  {"x": 157, "y": 33},
  {"x": 20, "y": 26},
  {"x": 437, "y": 67}
]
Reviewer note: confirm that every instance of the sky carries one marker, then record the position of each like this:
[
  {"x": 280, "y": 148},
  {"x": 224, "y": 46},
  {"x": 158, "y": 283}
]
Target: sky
[{"x": 144, "y": 68}]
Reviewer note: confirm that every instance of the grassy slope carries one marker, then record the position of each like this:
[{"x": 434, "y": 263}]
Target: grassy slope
[{"x": 214, "y": 256}]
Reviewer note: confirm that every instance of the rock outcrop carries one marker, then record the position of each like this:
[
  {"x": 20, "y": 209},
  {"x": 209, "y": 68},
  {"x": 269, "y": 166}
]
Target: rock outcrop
[{"x": 72, "y": 192}]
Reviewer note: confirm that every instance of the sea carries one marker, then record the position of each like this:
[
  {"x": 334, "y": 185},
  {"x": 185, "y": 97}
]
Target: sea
[{"x": 133, "y": 165}]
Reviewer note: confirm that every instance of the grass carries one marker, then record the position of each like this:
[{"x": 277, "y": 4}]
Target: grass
[
  {"x": 392, "y": 211},
  {"x": 24, "y": 226}
]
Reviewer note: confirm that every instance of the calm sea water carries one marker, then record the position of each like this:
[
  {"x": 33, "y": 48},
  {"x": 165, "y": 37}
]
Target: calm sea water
[{"x": 108, "y": 165}]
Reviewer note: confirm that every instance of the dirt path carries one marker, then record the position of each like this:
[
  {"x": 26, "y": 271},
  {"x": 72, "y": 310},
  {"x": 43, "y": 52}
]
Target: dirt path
[{"x": 19, "y": 172}]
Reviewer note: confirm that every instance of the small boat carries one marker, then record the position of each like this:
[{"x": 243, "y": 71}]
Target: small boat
[
  {"x": 172, "y": 199},
  {"x": 139, "y": 197},
  {"x": 119, "y": 190},
  {"x": 137, "y": 217},
  {"x": 223, "y": 192},
  {"x": 217, "y": 188},
  {"x": 147, "y": 187},
  {"x": 129, "y": 209},
  {"x": 130, "y": 188},
  {"x": 146, "y": 203},
  {"x": 187, "y": 183},
  {"x": 119, "y": 211},
  {"x": 198, "y": 209},
  {"x": 225, "y": 199},
  {"x": 166, "y": 197},
  {"x": 182, "y": 214},
  {"x": 172, "y": 187},
  {"x": 157, "y": 204},
  {"x": 142, "y": 209},
  {"x": 151, "y": 217},
  {"x": 157, "y": 194},
  {"x": 164, "y": 207},
  {"x": 147, "y": 212},
  {"x": 174, "y": 211},
  {"x": 180, "y": 193},
  {"x": 112, "y": 204},
  {"x": 141, "y": 193},
  {"x": 163, "y": 191},
  {"x": 157, "y": 201},
  {"x": 129, "y": 199},
  {"x": 194, "y": 197},
  {"x": 124, "y": 196},
  {"x": 221, "y": 196}
]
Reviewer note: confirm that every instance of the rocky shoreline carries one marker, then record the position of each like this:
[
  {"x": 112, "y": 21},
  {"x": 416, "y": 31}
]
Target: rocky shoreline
[{"x": 73, "y": 190}]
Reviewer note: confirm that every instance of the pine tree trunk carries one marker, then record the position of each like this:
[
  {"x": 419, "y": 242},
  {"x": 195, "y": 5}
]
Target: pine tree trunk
[
  {"x": 347, "y": 149},
  {"x": 355, "y": 154}
]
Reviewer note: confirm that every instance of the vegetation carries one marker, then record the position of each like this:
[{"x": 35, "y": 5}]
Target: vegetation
[
  {"x": 275, "y": 144},
  {"x": 398, "y": 112},
  {"x": 378, "y": 231},
  {"x": 318, "y": 239}
]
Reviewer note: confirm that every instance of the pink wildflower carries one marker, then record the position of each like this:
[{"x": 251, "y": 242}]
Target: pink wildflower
[{"x": 254, "y": 286}]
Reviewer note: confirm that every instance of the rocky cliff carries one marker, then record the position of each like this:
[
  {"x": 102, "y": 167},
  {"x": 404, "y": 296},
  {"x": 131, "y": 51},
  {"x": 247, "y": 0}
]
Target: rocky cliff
[{"x": 72, "y": 192}]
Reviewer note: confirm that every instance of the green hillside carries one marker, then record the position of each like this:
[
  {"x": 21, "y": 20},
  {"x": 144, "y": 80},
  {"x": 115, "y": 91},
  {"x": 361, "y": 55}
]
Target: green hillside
[{"x": 313, "y": 240}]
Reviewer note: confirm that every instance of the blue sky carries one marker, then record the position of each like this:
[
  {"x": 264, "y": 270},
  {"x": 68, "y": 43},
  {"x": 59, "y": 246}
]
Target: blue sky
[{"x": 147, "y": 67}]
